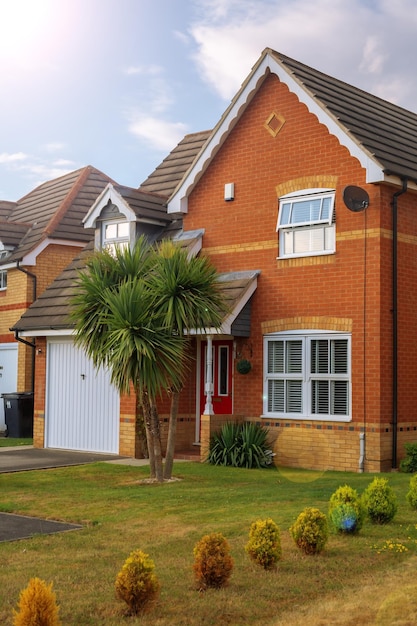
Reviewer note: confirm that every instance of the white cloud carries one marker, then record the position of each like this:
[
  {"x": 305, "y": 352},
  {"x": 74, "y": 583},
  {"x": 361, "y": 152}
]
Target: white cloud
[
  {"x": 54, "y": 146},
  {"x": 15, "y": 157},
  {"x": 158, "y": 133},
  {"x": 142, "y": 70},
  {"x": 363, "y": 42}
]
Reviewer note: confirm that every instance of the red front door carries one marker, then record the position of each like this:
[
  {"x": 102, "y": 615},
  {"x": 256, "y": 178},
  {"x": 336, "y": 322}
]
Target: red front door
[{"x": 221, "y": 376}]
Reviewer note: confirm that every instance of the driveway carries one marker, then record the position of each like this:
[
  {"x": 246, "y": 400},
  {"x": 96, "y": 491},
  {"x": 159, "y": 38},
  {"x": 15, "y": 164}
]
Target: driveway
[{"x": 20, "y": 459}]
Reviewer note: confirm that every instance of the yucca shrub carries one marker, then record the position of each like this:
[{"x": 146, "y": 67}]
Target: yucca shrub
[
  {"x": 240, "y": 445},
  {"x": 380, "y": 501},
  {"x": 346, "y": 510},
  {"x": 37, "y": 605},
  {"x": 411, "y": 495},
  {"x": 310, "y": 531},
  {"x": 213, "y": 563},
  {"x": 136, "y": 583},
  {"x": 264, "y": 545}
]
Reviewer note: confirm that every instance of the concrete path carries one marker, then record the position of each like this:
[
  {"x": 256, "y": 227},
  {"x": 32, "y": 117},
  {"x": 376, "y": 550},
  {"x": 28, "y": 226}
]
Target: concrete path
[{"x": 24, "y": 458}]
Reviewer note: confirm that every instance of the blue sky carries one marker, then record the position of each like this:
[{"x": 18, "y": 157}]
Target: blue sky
[{"x": 117, "y": 83}]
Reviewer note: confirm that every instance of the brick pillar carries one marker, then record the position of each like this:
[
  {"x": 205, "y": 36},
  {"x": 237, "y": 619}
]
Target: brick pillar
[{"x": 205, "y": 429}]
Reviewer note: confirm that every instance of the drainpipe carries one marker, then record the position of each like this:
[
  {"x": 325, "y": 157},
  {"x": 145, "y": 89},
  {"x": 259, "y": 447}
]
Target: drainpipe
[
  {"x": 16, "y": 334},
  {"x": 394, "y": 205}
]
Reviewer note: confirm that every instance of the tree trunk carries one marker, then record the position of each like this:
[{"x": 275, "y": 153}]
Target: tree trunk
[
  {"x": 172, "y": 431},
  {"x": 146, "y": 407},
  {"x": 156, "y": 437}
]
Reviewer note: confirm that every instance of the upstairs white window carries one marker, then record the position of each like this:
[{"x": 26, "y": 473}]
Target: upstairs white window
[
  {"x": 306, "y": 223},
  {"x": 307, "y": 376},
  {"x": 116, "y": 234},
  {"x": 3, "y": 279}
]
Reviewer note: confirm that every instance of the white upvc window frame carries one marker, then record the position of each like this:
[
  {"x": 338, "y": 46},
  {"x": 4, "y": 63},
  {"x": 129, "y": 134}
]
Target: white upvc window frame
[
  {"x": 306, "y": 223},
  {"x": 3, "y": 280},
  {"x": 120, "y": 237},
  {"x": 298, "y": 389}
]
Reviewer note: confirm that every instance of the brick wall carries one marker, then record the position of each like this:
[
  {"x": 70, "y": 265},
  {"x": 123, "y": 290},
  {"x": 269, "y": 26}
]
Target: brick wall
[{"x": 350, "y": 290}]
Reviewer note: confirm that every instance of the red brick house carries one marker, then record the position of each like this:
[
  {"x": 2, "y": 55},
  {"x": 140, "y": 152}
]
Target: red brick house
[
  {"x": 304, "y": 197},
  {"x": 39, "y": 235}
]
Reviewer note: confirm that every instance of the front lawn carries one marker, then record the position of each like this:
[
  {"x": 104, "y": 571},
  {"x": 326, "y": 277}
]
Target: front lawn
[
  {"x": 9, "y": 442},
  {"x": 370, "y": 578}
]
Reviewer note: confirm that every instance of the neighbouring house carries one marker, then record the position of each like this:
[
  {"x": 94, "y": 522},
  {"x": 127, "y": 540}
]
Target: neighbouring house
[
  {"x": 39, "y": 235},
  {"x": 304, "y": 196}
]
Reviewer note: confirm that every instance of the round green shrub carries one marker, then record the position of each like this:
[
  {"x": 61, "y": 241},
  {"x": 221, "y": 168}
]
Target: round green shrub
[
  {"x": 264, "y": 545},
  {"x": 380, "y": 501},
  {"x": 213, "y": 563},
  {"x": 310, "y": 531},
  {"x": 346, "y": 510},
  {"x": 412, "y": 493},
  {"x": 136, "y": 583}
]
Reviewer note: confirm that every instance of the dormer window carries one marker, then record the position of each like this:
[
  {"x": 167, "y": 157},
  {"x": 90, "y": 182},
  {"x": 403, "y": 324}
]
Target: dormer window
[
  {"x": 306, "y": 223},
  {"x": 115, "y": 234}
]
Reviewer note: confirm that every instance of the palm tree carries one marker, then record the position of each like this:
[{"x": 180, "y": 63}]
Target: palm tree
[
  {"x": 118, "y": 327},
  {"x": 188, "y": 298},
  {"x": 134, "y": 312}
]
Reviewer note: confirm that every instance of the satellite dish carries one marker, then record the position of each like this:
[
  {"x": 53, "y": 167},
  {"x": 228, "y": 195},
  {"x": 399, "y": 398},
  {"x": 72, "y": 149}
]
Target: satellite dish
[{"x": 355, "y": 198}]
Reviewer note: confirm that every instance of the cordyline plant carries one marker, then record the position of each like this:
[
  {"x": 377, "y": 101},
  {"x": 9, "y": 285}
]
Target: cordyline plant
[{"x": 133, "y": 312}]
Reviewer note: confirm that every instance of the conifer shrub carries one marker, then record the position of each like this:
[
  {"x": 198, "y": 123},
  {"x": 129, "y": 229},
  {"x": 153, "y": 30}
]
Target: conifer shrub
[
  {"x": 409, "y": 463},
  {"x": 37, "y": 605},
  {"x": 346, "y": 510},
  {"x": 264, "y": 545},
  {"x": 136, "y": 583},
  {"x": 380, "y": 501},
  {"x": 213, "y": 563},
  {"x": 412, "y": 492},
  {"x": 310, "y": 531}
]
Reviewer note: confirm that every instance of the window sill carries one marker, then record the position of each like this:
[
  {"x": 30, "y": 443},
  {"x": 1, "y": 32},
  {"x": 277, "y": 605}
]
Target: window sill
[{"x": 307, "y": 418}]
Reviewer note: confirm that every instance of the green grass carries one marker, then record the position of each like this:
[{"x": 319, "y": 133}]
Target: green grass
[
  {"x": 8, "y": 442},
  {"x": 371, "y": 575}
]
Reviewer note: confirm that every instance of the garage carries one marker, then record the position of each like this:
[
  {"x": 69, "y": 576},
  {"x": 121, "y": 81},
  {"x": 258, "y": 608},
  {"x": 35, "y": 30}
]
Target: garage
[{"x": 82, "y": 406}]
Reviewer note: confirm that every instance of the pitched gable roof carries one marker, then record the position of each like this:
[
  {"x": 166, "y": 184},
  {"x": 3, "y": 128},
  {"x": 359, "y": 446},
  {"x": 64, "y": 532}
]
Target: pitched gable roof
[
  {"x": 165, "y": 178},
  {"x": 381, "y": 135},
  {"x": 136, "y": 204},
  {"x": 53, "y": 210}
]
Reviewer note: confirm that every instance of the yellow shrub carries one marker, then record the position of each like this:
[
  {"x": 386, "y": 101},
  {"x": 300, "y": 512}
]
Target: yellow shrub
[
  {"x": 213, "y": 564},
  {"x": 264, "y": 545},
  {"x": 136, "y": 583},
  {"x": 37, "y": 605}
]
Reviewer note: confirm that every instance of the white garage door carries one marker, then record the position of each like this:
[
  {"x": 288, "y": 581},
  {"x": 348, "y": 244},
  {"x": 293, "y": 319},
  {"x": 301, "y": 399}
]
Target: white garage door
[{"x": 82, "y": 407}]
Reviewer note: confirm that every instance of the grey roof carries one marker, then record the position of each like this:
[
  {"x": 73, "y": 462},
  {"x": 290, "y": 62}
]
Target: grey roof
[
  {"x": 145, "y": 204},
  {"x": 53, "y": 210},
  {"x": 6, "y": 208},
  {"x": 52, "y": 308},
  {"x": 165, "y": 178},
  {"x": 385, "y": 130}
]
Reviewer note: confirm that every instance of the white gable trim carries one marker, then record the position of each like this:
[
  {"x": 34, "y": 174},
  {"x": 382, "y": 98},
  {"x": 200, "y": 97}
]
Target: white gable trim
[
  {"x": 266, "y": 64},
  {"x": 30, "y": 258},
  {"x": 108, "y": 193}
]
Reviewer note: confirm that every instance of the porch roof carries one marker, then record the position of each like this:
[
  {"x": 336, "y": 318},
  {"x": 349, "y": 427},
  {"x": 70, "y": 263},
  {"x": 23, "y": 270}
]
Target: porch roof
[{"x": 50, "y": 312}]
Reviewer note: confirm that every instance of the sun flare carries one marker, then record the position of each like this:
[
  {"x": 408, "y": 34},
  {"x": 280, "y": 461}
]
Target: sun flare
[{"x": 24, "y": 26}]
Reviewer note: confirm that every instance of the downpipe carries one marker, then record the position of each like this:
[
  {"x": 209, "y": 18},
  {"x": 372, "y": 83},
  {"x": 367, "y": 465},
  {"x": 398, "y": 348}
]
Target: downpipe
[{"x": 361, "y": 452}]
